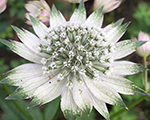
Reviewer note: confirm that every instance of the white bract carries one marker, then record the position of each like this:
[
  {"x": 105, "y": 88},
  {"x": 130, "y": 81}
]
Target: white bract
[{"x": 74, "y": 59}]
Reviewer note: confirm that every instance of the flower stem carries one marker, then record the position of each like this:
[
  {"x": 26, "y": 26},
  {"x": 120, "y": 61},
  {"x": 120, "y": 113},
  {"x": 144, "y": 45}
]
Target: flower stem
[
  {"x": 73, "y": 7},
  {"x": 145, "y": 75},
  {"x": 130, "y": 106},
  {"x": 17, "y": 105}
]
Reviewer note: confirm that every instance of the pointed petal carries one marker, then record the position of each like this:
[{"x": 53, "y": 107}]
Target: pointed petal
[
  {"x": 56, "y": 18},
  {"x": 101, "y": 108},
  {"x": 70, "y": 110},
  {"x": 79, "y": 15},
  {"x": 18, "y": 94},
  {"x": 22, "y": 50},
  {"x": 29, "y": 39},
  {"x": 113, "y": 35},
  {"x": 124, "y": 68},
  {"x": 48, "y": 91},
  {"x": 22, "y": 73},
  {"x": 103, "y": 92},
  {"x": 82, "y": 96},
  {"x": 95, "y": 19},
  {"x": 113, "y": 25},
  {"x": 40, "y": 29},
  {"x": 122, "y": 85},
  {"x": 27, "y": 89},
  {"x": 125, "y": 48}
]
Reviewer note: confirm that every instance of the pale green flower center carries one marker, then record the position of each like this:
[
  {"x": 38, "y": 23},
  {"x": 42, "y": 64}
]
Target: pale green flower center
[{"x": 75, "y": 48}]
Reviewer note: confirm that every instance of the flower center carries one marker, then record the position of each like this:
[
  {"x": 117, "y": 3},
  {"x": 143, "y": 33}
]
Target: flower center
[{"x": 75, "y": 48}]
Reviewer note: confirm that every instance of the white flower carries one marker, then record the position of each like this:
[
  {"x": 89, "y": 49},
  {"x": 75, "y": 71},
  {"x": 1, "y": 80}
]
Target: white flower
[
  {"x": 2, "y": 5},
  {"x": 66, "y": 63},
  {"x": 109, "y": 5},
  {"x": 38, "y": 9},
  {"x": 143, "y": 50}
]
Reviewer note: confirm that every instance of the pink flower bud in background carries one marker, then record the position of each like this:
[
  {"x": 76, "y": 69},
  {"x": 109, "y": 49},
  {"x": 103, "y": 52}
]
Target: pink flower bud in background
[
  {"x": 75, "y": 1},
  {"x": 39, "y": 10},
  {"x": 144, "y": 50},
  {"x": 2, "y": 5},
  {"x": 109, "y": 5}
]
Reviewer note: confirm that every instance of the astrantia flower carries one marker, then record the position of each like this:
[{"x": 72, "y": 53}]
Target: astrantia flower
[
  {"x": 2, "y": 5},
  {"x": 74, "y": 59},
  {"x": 75, "y": 1},
  {"x": 109, "y": 5},
  {"x": 144, "y": 50},
  {"x": 38, "y": 9}
]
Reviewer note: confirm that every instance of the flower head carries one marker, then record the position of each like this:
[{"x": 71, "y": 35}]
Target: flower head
[
  {"x": 143, "y": 50},
  {"x": 75, "y": 1},
  {"x": 109, "y": 5},
  {"x": 74, "y": 59},
  {"x": 2, "y": 5},
  {"x": 39, "y": 10}
]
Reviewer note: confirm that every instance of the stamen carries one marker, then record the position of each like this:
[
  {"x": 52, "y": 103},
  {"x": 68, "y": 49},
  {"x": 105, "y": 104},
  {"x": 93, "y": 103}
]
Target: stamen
[
  {"x": 43, "y": 61},
  {"x": 74, "y": 49}
]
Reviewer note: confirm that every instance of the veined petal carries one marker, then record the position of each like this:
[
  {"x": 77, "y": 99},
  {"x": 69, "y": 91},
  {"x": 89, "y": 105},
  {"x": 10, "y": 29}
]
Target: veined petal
[
  {"x": 56, "y": 18},
  {"x": 79, "y": 15},
  {"x": 103, "y": 92},
  {"x": 113, "y": 25},
  {"x": 30, "y": 40},
  {"x": 95, "y": 19},
  {"x": 82, "y": 96},
  {"x": 68, "y": 106},
  {"x": 101, "y": 108},
  {"x": 22, "y": 73},
  {"x": 27, "y": 89},
  {"x": 22, "y": 50},
  {"x": 115, "y": 34},
  {"x": 124, "y": 68},
  {"x": 48, "y": 91},
  {"x": 30, "y": 85},
  {"x": 125, "y": 48},
  {"x": 40, "y": 29},
  {"x": 121, "y": 85}
]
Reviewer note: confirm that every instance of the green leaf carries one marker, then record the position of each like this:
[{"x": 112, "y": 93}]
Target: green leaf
[
  {"x": 126, "y": 115},
  {"x": 4, "y": 67},
  {"x": 51, "y": 109},
  {"x": 11, "y": 112}
]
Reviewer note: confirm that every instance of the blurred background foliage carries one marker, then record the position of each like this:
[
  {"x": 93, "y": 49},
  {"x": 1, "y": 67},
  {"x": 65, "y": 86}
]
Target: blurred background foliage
[{"x": 136, "y": 11}]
